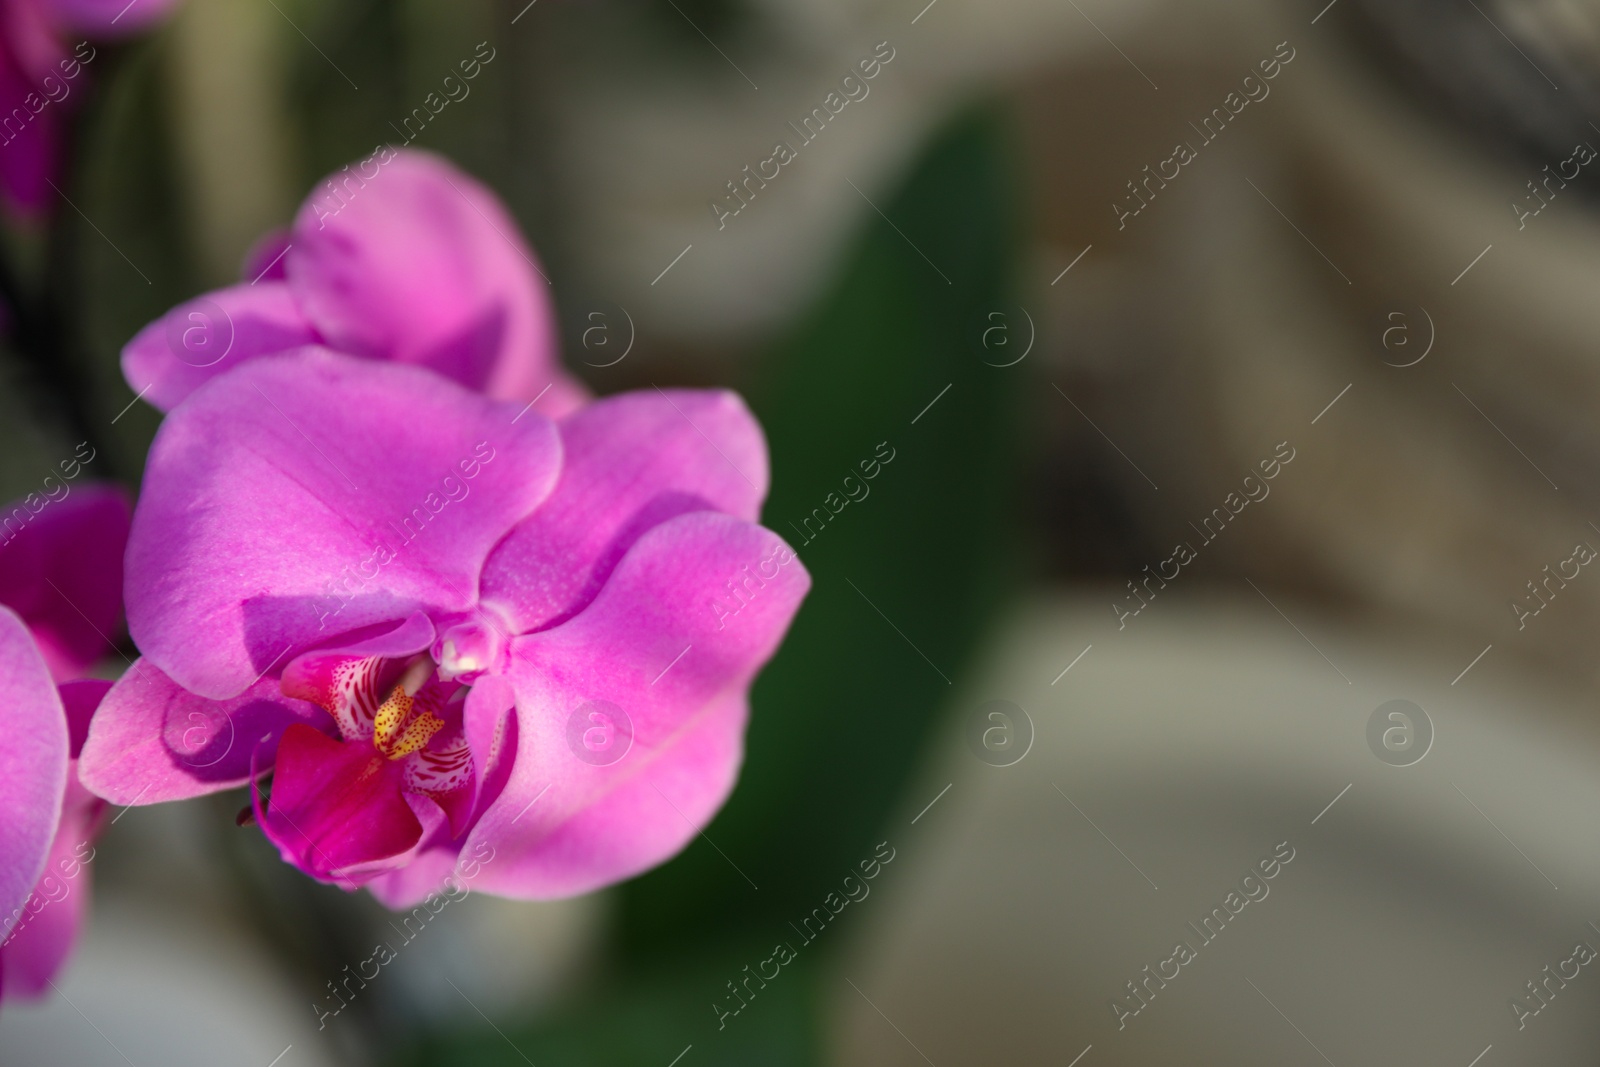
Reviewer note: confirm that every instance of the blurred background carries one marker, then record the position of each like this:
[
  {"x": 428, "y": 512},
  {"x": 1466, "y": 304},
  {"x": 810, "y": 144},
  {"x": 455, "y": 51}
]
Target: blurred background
[{"x": 1091, "y": 269}]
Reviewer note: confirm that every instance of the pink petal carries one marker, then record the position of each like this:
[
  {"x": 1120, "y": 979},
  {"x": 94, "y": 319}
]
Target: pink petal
[
  {"x": 630, "y": 462},
  {"x": 39, "y": 944},
  {"x": 403, "y": 256},
  {"x": 152, "y": 740},
  {"x": 435, "y": 837},
  {"x": 109, "y": 19},
  {"x": 308, "y": 495},
  {"x": 443, "y": 770},
  {"x": 61, "y": 568},
  {"x": 209, "y": 335},
  {"x": 351, "y": 682},
  {"x": 655, "y": 658},
  {"x": 33, "y": 765},
  {"x": 336, "y": 805},
  {"x": 431, "y": 869},
  {"x": 264, "y": 261},
  {"x": 491, "y": 725},
  {"x": 31, "y": 157},
  {"x": 490, "y": 719},
  {"x": 81, "y": 699}
]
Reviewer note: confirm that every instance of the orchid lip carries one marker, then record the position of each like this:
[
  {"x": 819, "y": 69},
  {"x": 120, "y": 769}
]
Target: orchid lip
[{"x": 400, "y": 731}]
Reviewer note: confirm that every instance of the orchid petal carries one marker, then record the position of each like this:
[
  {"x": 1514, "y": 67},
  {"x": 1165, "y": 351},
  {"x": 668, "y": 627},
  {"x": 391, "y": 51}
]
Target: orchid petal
[
  {"x": 351, "y": 682},
  {"x": 629, "y": 463},
  {"x": 210, "y": 335},
  {"x": 39, "y": 944},
  {"x": 152, "y": 740},
  {"x": 110, "y": 19},
  {"x": 81, "y": 699},
  {"x": 652, "y": 656},
  {"x": 311, "y": 494},
  {"x": 435, "y": 828},
  {"x": 490, "y": 721},
  {"x": 491, "y": 726},
  {"x": 264, "y": 261},
  {"x": 33, "y": 765},
  {"x": 32, "y": 157},
  {"x": 435, "y": 864},
  {"x": 336, "y": 805},
  {"x": 406, "y": 257},
  {"x": 61, "y": 570}
]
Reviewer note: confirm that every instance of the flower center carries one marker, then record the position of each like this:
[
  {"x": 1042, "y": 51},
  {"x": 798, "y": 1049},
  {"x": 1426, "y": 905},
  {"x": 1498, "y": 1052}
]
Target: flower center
[
  {"x": 468, "y": 649},
  {"x": 399, "y": 729}
]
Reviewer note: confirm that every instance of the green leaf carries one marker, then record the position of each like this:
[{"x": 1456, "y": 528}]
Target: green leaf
[
  {"x": 904, "y": 577},
  {"x": 651, "y": 1016}
]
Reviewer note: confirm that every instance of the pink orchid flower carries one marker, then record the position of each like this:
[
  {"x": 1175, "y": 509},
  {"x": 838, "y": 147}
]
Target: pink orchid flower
[
  {"x": 40, "y": 78},
  {"x": 38, "y": 930},
  {"x": 60, "y": 584},
  {"x": 445, "y": 622},
  {"x": 399, "y": 257},
  {"x": 61, "y": 568}
]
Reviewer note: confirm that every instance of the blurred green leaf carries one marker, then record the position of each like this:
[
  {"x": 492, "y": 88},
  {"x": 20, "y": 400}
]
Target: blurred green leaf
[
  {"x": 841, "y": 714},
  {"x": 121, "y": 259},
  {"x": 650, "y": 1017}
]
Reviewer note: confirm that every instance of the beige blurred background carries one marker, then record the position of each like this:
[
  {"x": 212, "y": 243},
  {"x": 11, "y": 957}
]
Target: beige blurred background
[{"x": 1253, "y": 302}]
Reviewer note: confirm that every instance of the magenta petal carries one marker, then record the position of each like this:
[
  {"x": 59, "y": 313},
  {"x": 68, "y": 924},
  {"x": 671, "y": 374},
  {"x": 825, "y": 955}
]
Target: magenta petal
[
  {"x": 431, "y": 869},
  {"x": 414, "y": 260},
  {"x": 435, "y": 834},
  {"x": 641, "y": 822},
  {"x": 491, "y": 727},
  {"x": 311, "y": 494},
  {"x": 630, "y": 462},
  {"x": 310, "y": 673},
  {"x": 29, "y": 161},
  {"x": 81, "y": 699},
  {"x": 351, "y": 681},
  {"x": 336, "y": 805},
  {"x": 38, "y": 945},
  {"x": 33, "y": 765},
  {"x": 61, "y": 570},
  {"x": 152, "y": 740},
  {"x": 264, "y": 261},
  {"x": 209, "y": 335},
  {"x": 655, "y": 658},
  {"x": 109, "y": 19}
]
